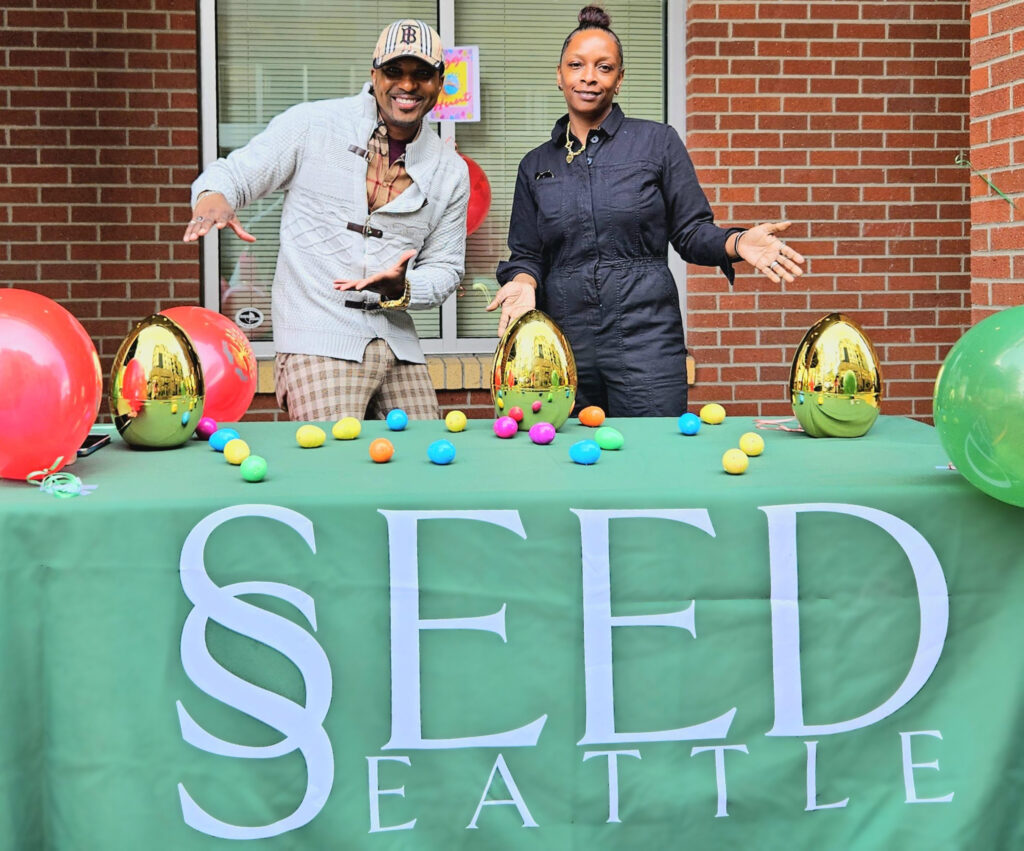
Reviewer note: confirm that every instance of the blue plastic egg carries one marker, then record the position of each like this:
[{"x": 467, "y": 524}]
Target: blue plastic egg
[
  {"x": 585, "y": 452},
  {"x": 397, "y": 419},
  {"x": 689, "y": 424},
  {"x": 441, "y": 452},
  {"x": 219, "y": 439}
]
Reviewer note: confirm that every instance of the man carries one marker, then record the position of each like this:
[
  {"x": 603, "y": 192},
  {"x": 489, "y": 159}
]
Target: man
[{"x": 373, "y": 225}]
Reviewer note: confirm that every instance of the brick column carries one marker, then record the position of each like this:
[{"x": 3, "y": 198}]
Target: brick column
[{"x": 996, "y": 154}]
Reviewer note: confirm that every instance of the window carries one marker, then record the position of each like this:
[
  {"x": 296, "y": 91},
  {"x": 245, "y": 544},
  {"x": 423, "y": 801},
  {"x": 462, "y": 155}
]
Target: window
[{"x": 262, "y": 56}]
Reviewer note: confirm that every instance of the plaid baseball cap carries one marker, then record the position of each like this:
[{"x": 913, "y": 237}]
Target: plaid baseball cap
[{"x": 409, "y": 38}]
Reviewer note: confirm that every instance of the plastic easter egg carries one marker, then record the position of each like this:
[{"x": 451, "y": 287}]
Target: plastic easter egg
[
  {"x": 735, "y": 461},
  {"x": 381, "y": 450},
  {"x": 397, "y": 419},
  {"x": 505, "y": 427},
  {"x": 752, "y": 443},
  {"x": 542, "y": 433},
  {"x": 585, "y": 452},
  {"x": 516, "y": 413},
  {"x": 591, "y": 416},
  {"x": 689, "y": 424},
  {"x": 441, "y": 452},
  {"x": 712, "y": 414},
  {"x": 609, "y": 438},
  {"x": 533, "y": 358},
  {"x": 536, "y": 406},
  {"x": 347, "y": 428},
  {"x": 835, "y": 382},
  {"x": 205, "y": 427},
  {"x": 310, "y": 436},
  {"x": 236, "y": 451},
  {"x": 455, "y": 421},
  {"x": 253, "y": 468},
  {"x": 219, "y": 439}
]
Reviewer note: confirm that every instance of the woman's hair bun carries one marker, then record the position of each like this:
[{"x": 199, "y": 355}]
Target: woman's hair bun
[{"x": 594, "y": 16}]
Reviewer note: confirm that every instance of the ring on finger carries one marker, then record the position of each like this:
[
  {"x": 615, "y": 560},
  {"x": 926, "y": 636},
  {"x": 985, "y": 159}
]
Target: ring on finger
[
  {"x": 197, "y": 219},
  {"x": 774, "y": 263}
]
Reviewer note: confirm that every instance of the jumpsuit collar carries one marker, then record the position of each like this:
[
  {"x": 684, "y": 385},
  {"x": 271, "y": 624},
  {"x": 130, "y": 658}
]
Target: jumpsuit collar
[{"x": 609, "y": 126}]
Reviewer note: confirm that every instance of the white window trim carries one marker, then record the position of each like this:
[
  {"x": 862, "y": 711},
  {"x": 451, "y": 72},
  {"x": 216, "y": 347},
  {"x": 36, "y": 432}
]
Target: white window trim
[{"x": 447, "y": 343}]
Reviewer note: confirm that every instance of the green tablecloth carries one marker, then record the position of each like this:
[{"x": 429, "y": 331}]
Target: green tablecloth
[{"x": 317, "y": 660}]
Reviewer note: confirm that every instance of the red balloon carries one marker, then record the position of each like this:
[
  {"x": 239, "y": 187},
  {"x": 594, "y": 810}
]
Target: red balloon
[
  {"x": 133, "y": 384},
  {"x": 227, "y": 359},
  {"x": 50, "y": 384},
  {"x": 479, "y": 196}
]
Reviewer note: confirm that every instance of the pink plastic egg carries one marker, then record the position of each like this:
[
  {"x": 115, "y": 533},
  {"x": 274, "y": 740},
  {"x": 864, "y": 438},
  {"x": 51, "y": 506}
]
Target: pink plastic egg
[
  {"x": 505, "y": 427},
  {"x": 542, "y": 433}
]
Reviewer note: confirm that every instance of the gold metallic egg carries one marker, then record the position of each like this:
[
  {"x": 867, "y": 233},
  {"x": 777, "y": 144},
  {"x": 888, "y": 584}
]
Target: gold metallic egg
[
  {"x": 836, "y": 383},
  {"x": 534, "y": 370},
  {"x": 156, "y": 385}
]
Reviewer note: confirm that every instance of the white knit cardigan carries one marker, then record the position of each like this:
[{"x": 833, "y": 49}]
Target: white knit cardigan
[{"x": 315, "y": 151}]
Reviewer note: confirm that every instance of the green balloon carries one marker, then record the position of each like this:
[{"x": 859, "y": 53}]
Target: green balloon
[{"x": 979, "y": 405}]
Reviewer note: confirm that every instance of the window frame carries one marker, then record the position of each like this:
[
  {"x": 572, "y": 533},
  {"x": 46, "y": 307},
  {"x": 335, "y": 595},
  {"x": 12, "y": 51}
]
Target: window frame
[{"x": 448, "y": 343}]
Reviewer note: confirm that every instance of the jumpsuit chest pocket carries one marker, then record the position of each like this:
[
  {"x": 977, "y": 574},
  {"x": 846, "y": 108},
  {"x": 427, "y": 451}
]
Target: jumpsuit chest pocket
[
  {"x": 628, "y": 200},
  {"x": 551, "y": 197}
]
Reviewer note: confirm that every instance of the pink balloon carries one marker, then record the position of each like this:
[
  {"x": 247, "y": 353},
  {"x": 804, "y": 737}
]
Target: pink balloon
[
  {"x": 227, "y": 359},
  {"x": 50, "y": 384}
]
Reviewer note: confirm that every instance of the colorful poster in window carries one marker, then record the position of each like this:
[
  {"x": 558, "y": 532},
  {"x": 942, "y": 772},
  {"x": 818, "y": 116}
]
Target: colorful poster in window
[{"x": 460, "y": 91}]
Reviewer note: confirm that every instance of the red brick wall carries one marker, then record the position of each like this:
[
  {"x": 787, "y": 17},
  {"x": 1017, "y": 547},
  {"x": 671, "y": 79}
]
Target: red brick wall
[
  {"x": 996, "y": 154},
  {"x": 98, "y": 144},
  {"x": 846, "y": 118}
]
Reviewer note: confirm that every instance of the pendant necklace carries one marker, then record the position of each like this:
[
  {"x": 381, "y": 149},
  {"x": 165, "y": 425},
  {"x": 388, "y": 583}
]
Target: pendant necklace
[{"x": 570, "y": 153}]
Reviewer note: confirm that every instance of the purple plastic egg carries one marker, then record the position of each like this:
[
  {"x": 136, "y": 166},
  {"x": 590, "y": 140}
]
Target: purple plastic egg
[
  {"x": 505, "y": 427},
  {"x": 542, "y": 433},
  {"x": 205, "y": 427}
]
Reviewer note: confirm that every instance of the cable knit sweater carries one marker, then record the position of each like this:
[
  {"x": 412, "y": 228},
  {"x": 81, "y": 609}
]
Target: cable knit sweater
[{"x": 308, "y": 151}]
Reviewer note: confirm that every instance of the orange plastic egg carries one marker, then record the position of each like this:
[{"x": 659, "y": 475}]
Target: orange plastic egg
[
  {"x": 381, "y": 450},
  {"x": 592, "y": 416}
]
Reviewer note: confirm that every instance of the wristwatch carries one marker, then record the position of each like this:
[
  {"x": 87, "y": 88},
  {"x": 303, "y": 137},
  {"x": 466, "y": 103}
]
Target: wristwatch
[{"x": 399, "y": 303}]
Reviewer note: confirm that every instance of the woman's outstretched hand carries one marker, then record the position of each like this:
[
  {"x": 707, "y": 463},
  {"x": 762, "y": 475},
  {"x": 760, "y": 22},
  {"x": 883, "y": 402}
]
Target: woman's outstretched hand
[
  {"x": 763, "y": 249},
  {"x": 515, "y": 298}
]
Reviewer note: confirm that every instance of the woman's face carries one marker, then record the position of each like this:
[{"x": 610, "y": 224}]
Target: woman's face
[{"x": 589, "y": 75}]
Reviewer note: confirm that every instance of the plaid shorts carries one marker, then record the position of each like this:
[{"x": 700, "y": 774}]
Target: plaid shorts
[{"x": 318, "y": 388}]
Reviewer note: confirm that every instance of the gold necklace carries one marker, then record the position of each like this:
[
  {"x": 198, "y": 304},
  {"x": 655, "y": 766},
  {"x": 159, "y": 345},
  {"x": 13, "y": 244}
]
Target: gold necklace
[{"x": 571, "y": 154}]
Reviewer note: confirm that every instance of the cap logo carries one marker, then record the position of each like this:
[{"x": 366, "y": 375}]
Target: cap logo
[{"x": 409, "y": 34}]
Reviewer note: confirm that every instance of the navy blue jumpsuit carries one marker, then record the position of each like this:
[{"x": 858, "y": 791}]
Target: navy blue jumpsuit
[{"x": 594, "y": 233}]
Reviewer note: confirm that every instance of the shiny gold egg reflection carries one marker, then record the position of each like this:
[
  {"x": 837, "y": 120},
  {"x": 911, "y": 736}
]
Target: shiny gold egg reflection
[
  {"x": 156, "y": 385},
  {"x": 534, "y": 370},
  {"x": 836, "y": 382}
]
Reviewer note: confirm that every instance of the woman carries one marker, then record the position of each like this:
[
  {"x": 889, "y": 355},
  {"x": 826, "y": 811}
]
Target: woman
[{"x": 594, "y": 210}]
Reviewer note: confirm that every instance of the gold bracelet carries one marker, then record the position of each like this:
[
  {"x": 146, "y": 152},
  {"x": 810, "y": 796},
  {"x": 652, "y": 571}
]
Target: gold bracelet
[{"x": 399, "y": 303}]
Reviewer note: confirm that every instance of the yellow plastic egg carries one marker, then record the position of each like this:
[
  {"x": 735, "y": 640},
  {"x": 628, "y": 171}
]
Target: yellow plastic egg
[
  {"x": 455, "y": 421},
  {"x": 735, "y": 461},
  {"x": 236, "y": 451},
  {"x": 752, "y": 443},
  {"x": 347, "y": 428},
  {"x": 712, "y": 414},
  {"x": 310, "y": 436}
]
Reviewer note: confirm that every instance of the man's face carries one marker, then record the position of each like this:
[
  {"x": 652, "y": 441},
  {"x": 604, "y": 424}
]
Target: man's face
[{"x": 406, "y": 90}]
